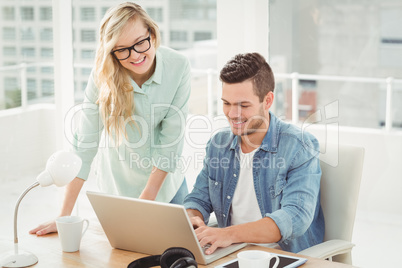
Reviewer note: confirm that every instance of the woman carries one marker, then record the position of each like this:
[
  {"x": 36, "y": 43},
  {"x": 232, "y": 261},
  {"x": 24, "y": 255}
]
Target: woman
[{"x": 133, "y": 114}]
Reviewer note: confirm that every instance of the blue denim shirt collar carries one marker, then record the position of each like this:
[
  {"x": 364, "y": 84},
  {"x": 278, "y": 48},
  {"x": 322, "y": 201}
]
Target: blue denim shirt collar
[{"x": 270, "y": 141}]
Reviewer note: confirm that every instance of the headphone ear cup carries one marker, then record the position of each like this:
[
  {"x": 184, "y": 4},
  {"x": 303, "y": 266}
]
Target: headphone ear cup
[
  {"x": 171, "y": 255},
  {"x": 185, "y": 262},
  {"x": 149, "y": 261}
]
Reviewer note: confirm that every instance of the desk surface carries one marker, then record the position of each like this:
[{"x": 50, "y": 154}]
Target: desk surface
[{"x": 96, "y": 252}]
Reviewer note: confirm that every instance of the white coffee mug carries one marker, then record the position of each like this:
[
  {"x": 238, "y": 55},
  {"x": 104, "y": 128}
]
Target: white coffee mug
[
  {"x": 256, "y": 259},
  {"x": 70, "y": 229}
]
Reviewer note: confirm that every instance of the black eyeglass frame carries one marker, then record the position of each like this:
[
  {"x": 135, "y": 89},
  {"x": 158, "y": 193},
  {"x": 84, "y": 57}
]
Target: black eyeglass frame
[{"x": 133, "y": 47}]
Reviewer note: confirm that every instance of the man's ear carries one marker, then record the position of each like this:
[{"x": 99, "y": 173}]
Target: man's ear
[{"x": 268, "y": 100}]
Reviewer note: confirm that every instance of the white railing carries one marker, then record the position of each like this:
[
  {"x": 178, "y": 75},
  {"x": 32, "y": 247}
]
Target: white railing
[
  {"x": 210, "y": 73},
  {"x": 210, "y": 86},
  {"x": 23, "y": 77},
  {"x": 296, "y": 77}
]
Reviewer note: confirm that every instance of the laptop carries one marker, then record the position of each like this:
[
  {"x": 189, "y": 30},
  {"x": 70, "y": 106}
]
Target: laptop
[{"x": 150, "y": 227}]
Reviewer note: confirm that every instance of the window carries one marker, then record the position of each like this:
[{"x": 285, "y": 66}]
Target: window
[
  {"x": 194, "y": 14},
  {"x": 87, "y": 54},
  {"x": 9, "y": 51},
  {"x": 26, "y": 37},
  {"x": 27, "y": 34},
  {"x": 84, "y": 85},
  {"x": 31, "y": 70},
  {"x": 46, "y": 34},
  {"x": 211, "y": 13},
  {"x": 155, "y": 13},
  {"x": 103, "y": 11},
  {"x": 47, "y": 87},
  {"x": 31, "y": 85},
  {"x": 28, "y": 52},
  {"x": 86, "y": 71},
  {"x": 31, "y": 88},
  {"x": 390, "y": 49},
  {"x": 12, "y": 92},
  {"x": 178, "y": 36},
  {"x": 87, "y": 14},
  {"x": 9, "y": 63},
  {"x": 47, "y": 70},
  {"x": 73, "y": 13},
  {"x": 45, "y": 13},
  {"x": 46, "y": 52},
  {"x": 347, "y": 39},
  {"x": 8, "y": 33},
  {"x": 8, "y": 13},
  {"x": 10, "y": 83},
  {"x": 27, "y": 13},
  {"x": 198, "y": 36},
  {"x": 88, "y": 36}
]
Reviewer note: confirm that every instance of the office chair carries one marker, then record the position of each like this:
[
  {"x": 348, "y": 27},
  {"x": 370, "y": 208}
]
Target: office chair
[{"x": 341, "y": 167}]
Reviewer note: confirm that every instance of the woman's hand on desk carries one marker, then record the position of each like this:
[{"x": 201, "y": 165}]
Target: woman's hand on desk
[{"x": 45, "y": 228}]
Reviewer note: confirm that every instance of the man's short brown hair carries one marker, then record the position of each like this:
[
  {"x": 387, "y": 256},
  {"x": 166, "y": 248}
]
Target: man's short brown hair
[{"x": 249, "y": 66}]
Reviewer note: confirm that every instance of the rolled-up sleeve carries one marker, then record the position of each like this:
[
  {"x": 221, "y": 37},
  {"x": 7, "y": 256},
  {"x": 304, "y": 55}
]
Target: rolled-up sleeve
[
  {"x": 299, "y": 196},
  {"x": 199, "y": 199}
]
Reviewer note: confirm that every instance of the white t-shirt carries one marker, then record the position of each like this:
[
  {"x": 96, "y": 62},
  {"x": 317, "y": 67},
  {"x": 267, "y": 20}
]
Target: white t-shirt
[{"x": 244, "y": 204}]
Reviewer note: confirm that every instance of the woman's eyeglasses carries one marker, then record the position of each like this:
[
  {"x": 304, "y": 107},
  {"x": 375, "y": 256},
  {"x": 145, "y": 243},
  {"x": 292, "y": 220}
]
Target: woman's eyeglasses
[{"x": 139, "y": 47}]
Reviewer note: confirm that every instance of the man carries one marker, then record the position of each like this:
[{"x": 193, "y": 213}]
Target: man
[{"x": 261, "y": 177}]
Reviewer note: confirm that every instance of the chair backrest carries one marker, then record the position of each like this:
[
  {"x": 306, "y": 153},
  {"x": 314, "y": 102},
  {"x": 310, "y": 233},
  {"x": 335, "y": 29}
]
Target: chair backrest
[{"x": 340, "y": 184}]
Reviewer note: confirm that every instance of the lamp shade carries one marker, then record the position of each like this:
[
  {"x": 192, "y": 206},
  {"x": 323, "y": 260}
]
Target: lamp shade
[{"x": 61, "y": 168}]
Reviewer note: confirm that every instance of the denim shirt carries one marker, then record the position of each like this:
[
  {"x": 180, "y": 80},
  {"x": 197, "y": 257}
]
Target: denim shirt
[{"x": 286, "y": 174}]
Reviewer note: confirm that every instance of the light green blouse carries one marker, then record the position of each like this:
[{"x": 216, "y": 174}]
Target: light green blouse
[{"x": 160, "y": 113}]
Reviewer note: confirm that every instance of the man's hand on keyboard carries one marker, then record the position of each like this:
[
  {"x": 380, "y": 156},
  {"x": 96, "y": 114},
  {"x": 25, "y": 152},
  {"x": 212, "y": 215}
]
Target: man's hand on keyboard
[
  {"x": 215, "y": 237},
  {"x": 196, "y": 222}
]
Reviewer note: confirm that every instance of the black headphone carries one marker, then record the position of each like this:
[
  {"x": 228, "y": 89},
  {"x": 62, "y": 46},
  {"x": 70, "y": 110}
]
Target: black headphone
[{"x": 171, "y": 258}]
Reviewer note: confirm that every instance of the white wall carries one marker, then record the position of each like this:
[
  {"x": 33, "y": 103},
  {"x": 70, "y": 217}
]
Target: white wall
[
  {"x": 242, "y": 28},
  {"x": 27, "y": 140},
  {"x": 381, "y": 185}
]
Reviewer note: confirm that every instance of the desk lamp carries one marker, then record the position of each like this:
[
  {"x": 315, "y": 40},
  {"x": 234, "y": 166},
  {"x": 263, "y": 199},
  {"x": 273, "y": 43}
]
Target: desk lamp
[{"x": 61, "y": 168}]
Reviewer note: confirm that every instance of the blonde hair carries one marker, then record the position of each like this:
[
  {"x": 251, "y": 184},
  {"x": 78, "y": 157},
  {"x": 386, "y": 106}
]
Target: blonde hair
[{"x": 115, "y": 99}]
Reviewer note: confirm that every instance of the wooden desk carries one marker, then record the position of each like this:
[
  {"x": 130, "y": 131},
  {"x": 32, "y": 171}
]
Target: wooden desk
[{"x": 96, "y": 252}]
